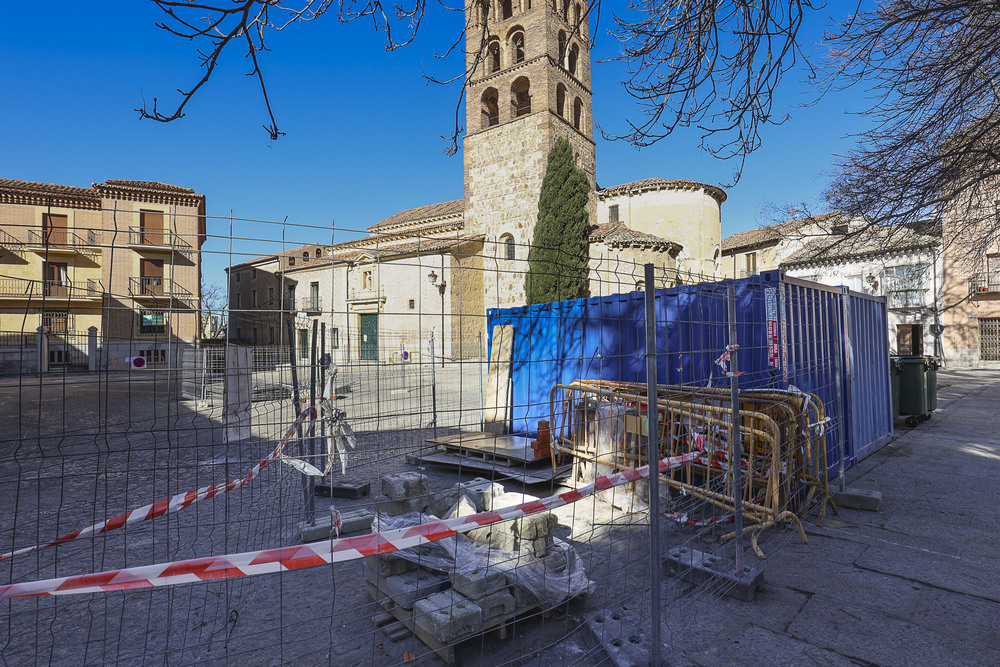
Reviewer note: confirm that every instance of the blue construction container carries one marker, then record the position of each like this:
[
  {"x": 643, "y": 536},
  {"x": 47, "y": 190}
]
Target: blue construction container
[{"x": 791, "y": 333}]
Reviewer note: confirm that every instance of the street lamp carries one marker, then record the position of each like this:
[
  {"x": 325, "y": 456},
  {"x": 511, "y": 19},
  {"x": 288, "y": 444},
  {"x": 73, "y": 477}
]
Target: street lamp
[{"x": 432, "y": 277}]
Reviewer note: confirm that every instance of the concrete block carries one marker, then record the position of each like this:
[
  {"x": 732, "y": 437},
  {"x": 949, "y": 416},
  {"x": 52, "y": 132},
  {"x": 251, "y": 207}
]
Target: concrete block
[
  {"x": 529, "y": 534},
  {"x": 406, "y": 505},
  {"x": 479, "y": 491},
  {"x": 699, "y": 567},
  {"x": 447, "y": 616},
  {"x": 617, "y": 632},
  {"x": 475, "y": 585},
  {"x": 503, "y": 500},
  {"x": 404, "y": 485},
  {"x": 387, "y": 565},
  {"x": 407, "y": 588},
  {"x": 464, "y": 507},
  {"x": 524, "y": 599},
  {"x": 859, "y": 499},
  {"x": 353, "y": 490},
  {"x": 351, "y": 521},
  {"x": 498, "y": 604}
]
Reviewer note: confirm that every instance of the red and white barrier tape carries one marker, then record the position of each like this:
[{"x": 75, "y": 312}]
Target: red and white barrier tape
[
  {"x": 173, "y": 503},
  {"x": 319, "y": 553}
]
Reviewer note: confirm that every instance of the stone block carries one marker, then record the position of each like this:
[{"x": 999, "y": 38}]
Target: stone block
[
  {"x": 524, "y": 599},
  {"x": 496, "y": 605},
  {"x": 406, "y": 505},
  {"x": 479, "y": 491},
  {"x": 407, "y": 588},
  {"x": 464, "y": 507},
  {"x": 405, "y": 485},
  {"x": 475, "y": 584},
  {"x": 387, "y": 565},
  {"x": 617, "y": 632},
  {"x": 859, "y": 499},
  {"x": 351, "y": 521},
  {"x": 447, "y": 616},
  {"x": 503, "y": 500},
  {"x": 352, "y": 490},
  {"x": 538, "y": 525},
  {"x": 698, "y": 567}
]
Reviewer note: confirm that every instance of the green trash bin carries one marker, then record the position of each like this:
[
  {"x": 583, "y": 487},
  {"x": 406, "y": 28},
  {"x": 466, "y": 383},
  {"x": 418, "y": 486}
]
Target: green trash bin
[
  {"x": 933, "y": 364},
  {"x": 913, "y": 394},
  {"x": 917, "y": 387},
  {"x": 895, "y": 370}
]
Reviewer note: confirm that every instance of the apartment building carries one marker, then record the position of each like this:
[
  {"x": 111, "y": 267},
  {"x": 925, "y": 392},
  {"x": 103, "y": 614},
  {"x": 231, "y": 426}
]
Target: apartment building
[{"x": 120, "y": 257}]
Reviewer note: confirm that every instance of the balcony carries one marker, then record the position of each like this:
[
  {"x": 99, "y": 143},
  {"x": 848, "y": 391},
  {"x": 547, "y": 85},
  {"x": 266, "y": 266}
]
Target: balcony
[
  {"x": 312, "y": 305},
  {"x": 49, "y": 241},
  {"x": 984, "y": 283},
  {"x": 21, "y": 288},
  {"x": 155, "y": 289},
  {"x": 9, "y": 242},
  {"x": 146, "y": 238}
]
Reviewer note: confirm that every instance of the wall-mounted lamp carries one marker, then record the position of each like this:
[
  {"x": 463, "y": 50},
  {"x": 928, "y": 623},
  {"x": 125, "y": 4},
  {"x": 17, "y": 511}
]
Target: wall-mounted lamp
[{"x": 433, "y": 277}]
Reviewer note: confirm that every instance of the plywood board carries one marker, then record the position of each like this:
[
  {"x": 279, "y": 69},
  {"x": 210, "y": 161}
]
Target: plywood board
[{"x": 496, "y": 415}]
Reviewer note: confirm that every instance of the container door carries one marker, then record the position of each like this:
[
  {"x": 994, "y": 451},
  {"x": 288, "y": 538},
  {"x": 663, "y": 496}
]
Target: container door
[{"x": 369, "y": 337}]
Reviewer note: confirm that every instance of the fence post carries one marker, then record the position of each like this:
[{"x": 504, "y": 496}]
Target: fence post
[
  {"x": 653, "y": 458},
  {"x": 434, "y": 399},
  {"x": 43, "y": 351},
  {"x": 92, "y": 360},
  {"x": 735, "y": 437}
]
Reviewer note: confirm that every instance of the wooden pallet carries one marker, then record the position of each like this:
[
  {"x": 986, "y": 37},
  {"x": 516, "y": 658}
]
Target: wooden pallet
[
  {"x": 535, "y": 474},
  {"x": 445, "y": 651},
  {"x": 509, "y": 450}
]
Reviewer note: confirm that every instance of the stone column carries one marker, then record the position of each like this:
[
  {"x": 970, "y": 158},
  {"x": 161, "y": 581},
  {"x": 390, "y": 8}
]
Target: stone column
[{"x": 236, "y": 396}]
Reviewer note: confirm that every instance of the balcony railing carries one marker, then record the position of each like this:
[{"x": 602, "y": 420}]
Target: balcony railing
[
  {"x": 87, "y": 240},
  {"x": 313, "y": 304},
  {"x": 8, "y": 241},
  {"x": 22, "y": 288},
  {"x": 153, "y": 287},
  {"x": 984, "y": 283},
  {"x": 156, "y": 238}
]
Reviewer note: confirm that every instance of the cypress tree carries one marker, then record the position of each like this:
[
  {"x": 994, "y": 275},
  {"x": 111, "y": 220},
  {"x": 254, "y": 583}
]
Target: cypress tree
[{"x": 557, "y": 259}]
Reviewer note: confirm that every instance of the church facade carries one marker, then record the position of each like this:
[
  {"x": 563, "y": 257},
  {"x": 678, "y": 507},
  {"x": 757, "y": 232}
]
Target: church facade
[{"x": 440, "y": 266}]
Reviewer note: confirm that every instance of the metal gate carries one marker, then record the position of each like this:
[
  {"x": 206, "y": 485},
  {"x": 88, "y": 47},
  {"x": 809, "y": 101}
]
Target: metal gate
[
  {"x": 369, "y": 337},
  {"x": 989, "y": 338}
]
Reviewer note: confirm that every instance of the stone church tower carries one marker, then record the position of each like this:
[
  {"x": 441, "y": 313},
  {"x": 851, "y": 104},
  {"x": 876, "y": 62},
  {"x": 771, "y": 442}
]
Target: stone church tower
[{"x": 531, "y": 84}]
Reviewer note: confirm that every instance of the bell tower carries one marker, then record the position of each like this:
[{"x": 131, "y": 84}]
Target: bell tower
[{"x": 529, "y": 83}]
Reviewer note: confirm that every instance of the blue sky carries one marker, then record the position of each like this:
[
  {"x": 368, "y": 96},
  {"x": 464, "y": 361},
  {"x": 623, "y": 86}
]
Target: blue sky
[{"x": 363, "y": 126}]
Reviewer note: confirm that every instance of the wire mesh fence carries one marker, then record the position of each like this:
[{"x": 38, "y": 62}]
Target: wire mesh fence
[{"x": 406, "y": 465}]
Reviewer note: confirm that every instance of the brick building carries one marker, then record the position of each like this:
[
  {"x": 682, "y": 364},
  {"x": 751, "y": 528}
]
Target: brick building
[{"x": 121, "y": 257}]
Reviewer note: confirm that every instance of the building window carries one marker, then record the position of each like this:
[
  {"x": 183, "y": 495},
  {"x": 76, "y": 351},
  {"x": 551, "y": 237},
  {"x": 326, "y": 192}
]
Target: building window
[
  {"x": 751, "y": 263},
  {"x": 305, "y": 256},
  {"x": 237, "y": 303},
  {"x": 270, "y": 295},
  {"x": 574, "y": 56},
  {"x": 239, "y": 333},
  {"x": 562, "y": 48},
  {"x": 255, "y": 335},
  {"x": 253, "y": 296},
  {"x": 508, "y": 9},
  {"x": 490, "y": 108},
  {"x": 613, "y": 213},
  {"x": 335, "y": 341},
  {"x": 510, "y": 251},
  {"x": 291, "y": 261},
  {"x": 993, "y": 273},
  {"x": 577, "y": 113},
  {"x": 57, "y": 321},
  {"x": 493, "y": 55},
  {"x": 236, "y": 277},
  {"x": 270, "y": 335},
  {"x": 253, "y": 274},
  {"x": 152, "y": 322},
  {"x": 413, "y": 304},
  {"x": 520, "y": 97},
  {"x": 303, "y": 343},
  {"x": 561, "y": 100},
  {"x": 153, "y": 354},
  {"x": 855, "y": 283},
  {"x": 318, "y": 253},
  {"x": 517, "y": 47},
  {"x": 904, "y": 286},
  {"x": 367, "y": 280}
]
